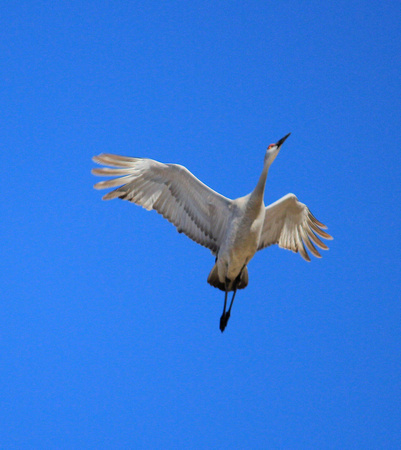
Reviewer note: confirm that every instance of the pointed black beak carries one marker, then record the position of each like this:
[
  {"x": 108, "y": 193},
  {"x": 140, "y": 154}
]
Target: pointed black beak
[{"x": 281, "y": 141}]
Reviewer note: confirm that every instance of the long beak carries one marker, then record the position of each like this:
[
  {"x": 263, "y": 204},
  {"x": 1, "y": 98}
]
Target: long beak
[{"x": 281, "y": 141}]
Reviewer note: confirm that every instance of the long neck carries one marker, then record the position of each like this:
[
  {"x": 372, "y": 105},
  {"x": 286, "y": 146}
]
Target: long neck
[{"x": 258, "y": 193}]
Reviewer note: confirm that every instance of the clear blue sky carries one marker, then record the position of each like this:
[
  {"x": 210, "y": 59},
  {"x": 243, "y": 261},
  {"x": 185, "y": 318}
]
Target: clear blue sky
[{"x": 109, "y": 332}]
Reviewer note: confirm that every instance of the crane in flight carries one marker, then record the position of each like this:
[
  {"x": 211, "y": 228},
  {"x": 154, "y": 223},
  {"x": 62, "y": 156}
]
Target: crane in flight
[{"x": 234, "y": 230}]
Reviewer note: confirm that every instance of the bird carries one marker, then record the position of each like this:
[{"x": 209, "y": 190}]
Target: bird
[{"x": 233, "y": 230}]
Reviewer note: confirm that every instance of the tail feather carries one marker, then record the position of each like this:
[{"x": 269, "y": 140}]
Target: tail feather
[
  {"x": 243, "y": 281},
  {"x": 213, "y": 279}
]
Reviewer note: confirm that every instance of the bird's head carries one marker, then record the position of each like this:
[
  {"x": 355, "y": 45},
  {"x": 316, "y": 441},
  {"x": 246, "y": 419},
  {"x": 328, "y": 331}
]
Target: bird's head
[{"x": 273, "y": 149}]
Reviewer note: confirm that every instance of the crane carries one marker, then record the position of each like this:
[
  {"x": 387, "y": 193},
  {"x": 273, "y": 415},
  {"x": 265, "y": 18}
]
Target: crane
[{"x": 234, "y": 230}]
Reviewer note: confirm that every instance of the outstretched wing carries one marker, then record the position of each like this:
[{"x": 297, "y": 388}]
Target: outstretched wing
[
  {"x": 291, "y": 225},
  {"x": 172, "y": 191}
]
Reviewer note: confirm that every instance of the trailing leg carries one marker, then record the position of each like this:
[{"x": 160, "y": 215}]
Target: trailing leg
[
  {"x": 240, "y": 282},
  {"x": 223, "y": 318}
]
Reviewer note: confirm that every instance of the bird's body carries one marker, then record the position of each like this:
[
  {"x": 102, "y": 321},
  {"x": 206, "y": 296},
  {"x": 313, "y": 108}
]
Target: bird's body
[
  {"x": 234, "y": 230},
  {"x": 240, "y": 241}
]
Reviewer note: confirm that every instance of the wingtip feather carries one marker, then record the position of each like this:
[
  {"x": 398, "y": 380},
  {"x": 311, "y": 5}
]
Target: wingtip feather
[
  {"x": 317, "y": 222},
  {"x": 304, "y": 254}
]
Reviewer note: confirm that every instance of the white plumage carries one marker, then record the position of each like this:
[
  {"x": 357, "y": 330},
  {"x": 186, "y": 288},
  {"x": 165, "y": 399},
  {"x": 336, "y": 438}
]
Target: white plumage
[{"x": 232, "y": 229}]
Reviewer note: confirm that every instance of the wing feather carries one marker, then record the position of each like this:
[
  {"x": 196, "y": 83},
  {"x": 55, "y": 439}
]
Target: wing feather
[
  {"x": 171, "y": 190},
  {"x": 291, "y": 225},
  {"x": 318, "y": 231},
  {"x": 306, "y": 240}
]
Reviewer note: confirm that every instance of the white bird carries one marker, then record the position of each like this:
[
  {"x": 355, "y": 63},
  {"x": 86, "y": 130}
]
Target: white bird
[{"x": 232, "y": 229}]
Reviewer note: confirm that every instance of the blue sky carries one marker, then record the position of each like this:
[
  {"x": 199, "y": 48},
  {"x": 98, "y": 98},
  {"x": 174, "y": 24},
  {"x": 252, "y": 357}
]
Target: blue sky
[{"x": 109, "y": 332}]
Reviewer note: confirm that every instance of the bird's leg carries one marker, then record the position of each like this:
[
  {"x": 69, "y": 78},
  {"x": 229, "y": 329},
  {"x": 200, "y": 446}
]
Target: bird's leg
[
  {"x": 223, "y": 318},
  {"x": 231, "y": 304},
  {"x": 227, "y": 314}
]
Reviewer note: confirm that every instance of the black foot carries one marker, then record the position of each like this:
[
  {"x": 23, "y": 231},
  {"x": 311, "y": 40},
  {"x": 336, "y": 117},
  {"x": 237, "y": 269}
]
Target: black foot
[{"x": 223, "y": 321}]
